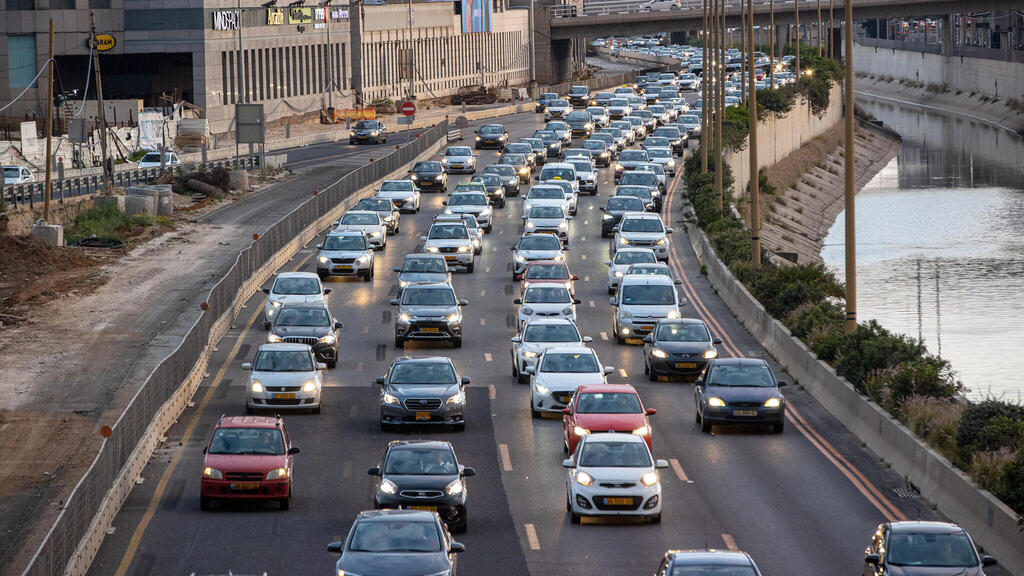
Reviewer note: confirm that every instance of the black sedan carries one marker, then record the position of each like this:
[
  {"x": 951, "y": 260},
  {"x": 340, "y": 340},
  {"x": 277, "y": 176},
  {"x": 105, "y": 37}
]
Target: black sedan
[
  {"x": 397, "y": 542},
  {"x": 493, "y": 186},
  {"x": 429, "y": 175},
  {"x": 739, "y": 391},
  {"x": 425, "y": 390},
  {"x": 423, "y": 475},
  {"x": 912, "y": 548},
  {"x": 678, "y": 347},
  {"x": 491, "y": 136},
  {"x": 615, "y": 208},
  {"x": 724, "y": 562},
  {"x": 310, "y": 324}
]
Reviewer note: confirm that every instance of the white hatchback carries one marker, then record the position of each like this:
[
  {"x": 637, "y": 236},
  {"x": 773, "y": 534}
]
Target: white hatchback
[{"x": 613, "y": 475}]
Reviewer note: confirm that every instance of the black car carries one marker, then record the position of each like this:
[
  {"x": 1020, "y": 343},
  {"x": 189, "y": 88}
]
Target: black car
[
  {"x": 599, "y": 152},
  {"x": 739, "y": 391},
  {"x": 678, "y": 347},
  {"x": 676, "y": 138},
  {"x": 429, "y": 175},
  {"x": 915, "y": 547},
  {"x": 580, "y": 123},
  {"x": 725, "y": 562},
  {"x": 551, "y": 141},
  {"x": 508, "y": 175},
  {"x": 368, "y": 131},
  {"x": 615, "y": 208},
  {"x": 647, "y": 179},
  {"x": 423, "y": 475},
  {"x": 641, "y": 192},
  {"x": 422, "y": 391},
  {"x": 491, "y": 136},
  {"x": 310, "y": 324},
  {"x": 397, "y": 542},
  {"x": 493, "y": 186},
  {"x": 579, "y": 96}
]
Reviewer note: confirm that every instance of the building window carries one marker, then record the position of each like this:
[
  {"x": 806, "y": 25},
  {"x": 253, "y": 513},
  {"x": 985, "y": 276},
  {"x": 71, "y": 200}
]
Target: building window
[
  {"x": 63, "y": 4},
  {"x": 97, "y": 4},
  {"x": 344, "y": 68},
  {"x": 21, "y": 4},
  {"x": 230, "y": 72},
  {"x": 21, "y": 61},
  {"x": 223, "y": 78},
  {"x": 259, "y": 60}
]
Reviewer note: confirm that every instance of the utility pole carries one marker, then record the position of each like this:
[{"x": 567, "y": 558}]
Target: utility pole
[
  {"x": 49, "y": 129},
  {"x": 819, "y": 28},
  {"x": 771, "y": 45},
  {"x": 755, "y": 197},
  {"x": 718, "y": 110},
  {"x": 743, "y": 51},
  {"x": 850, "y": 221},
  {"x": 704, "y": 95},
  {"x": 108, "y": 182},
  {"x": 831, "y": 28},
  {"x": 330, "y": 56},
  {"x": 533, "y": 55},
  {"x": 412, "y": 57},
  {"x": 797, "y": 30},
  {"x": 241, "y": 85}
]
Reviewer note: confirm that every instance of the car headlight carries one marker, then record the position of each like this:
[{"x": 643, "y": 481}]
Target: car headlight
[
  {"x": 588, "y": 125},
  {"x": 672, "y": 314},
  {"x": 584, "y": 479},
  {"x": 413, "y": 177},
  {"x": 454, "y": 488},
  {"x": 404, "y": 317},
  {"x": 604, "y": 154},
  {"x": 658, "y": 353},
  {"x": 606, "y": 217},
  {"x": 463, "y": 249},
  {"x": 351, "y": 132},
  {"x": 275, "y": 303},
  {"x": 432, "y": 249},
  {"x": 530, "y": 225},
  {"x": 403, "y": 283},
  {"x": 711, "y": 354},
  {"x": 642, "y": 431},
  {"x": 454, "y": 318},
  {"x": 212, "y": 473},
  {"x": 389, "y": 398},
  {"x": 649, "y": 479},
  {"x": 389, "y": 219},
  {"x": 375, "y": 132},
  {"x": 623, "y": 241},
  {"x": 716, "y": 402},
  {"x": 322, "y": 259},
  {"x": 541, "y": 389},
  {"x": 626, "y": 314},
  {"x": 619, "y": 167},
  {"x": 309, "y": 386},
  {"x": 477, "y": 138},
  {"x": 772, "y": 403},
  {"x": 524, "y": 170},
  {"x": 559, "y": 257},
  {"x": 272, "y": 338},
  {"x": 457, "y": 398},
  {"x": 618, "y": 274},
  {"x": 439, "y": 177},
  {"x": 563, "y": 225},
  {"x": 670, "y": 163},
  {"x": 388, "y": 487},
  {"x": 277, "y": 473},
  {"x": 328, "y": 339},
  {"x": 529, "y": 354},
  {"x": 580, "y": 431},
  {"x": 256, "y": 386},
  {"x": 520, "y": 258},
  {"x": 363, "y": 259},
  {"x": 567, "y": 311}
]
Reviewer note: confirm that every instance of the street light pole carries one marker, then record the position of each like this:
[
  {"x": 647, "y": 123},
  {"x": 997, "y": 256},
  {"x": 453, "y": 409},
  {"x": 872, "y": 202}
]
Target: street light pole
[
  {"x": 771, "y": 44},
  {"x": 755, "y": 199},
  {"x": 330, "y": 55},
  {"x": 108, "y": 182},
  {"x": 719, "y": 87},
  {"x": 797, "y": 30},
  {"x": 49, "y": 129},
  {"x": 412, "y": 57},
  {"x": 818, "y": 28},
  {"x": 850, "y": 221},
  {"x": 241, "y": 85},
  {"x": 704, "y": 96}
]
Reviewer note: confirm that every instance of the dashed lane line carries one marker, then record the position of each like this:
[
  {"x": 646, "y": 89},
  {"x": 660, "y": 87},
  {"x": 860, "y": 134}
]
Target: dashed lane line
[
  {"x": 506, "y": 459},
  {"x": 531, "y": 537},
  {"x": 488, "y": 357},
  {"x": 678, "y": 469}
]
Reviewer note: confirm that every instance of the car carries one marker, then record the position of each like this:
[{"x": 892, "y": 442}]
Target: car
[
  {"x": 659, "y": 172},
  {"x": 599, "y": 151},
  {"x": 678, "y": 347},
  {"x": 649, "y": 121},
  {"x": 692, "y": 124},
  {"x": 386, "y": 208},
  {"x": 663, "y": 157},
  {"x": 636, "y": 102},
  {"x": 679, "y": 562},
  {"x": 622, "y": 260},
  {"x": 469, "y": 186},
  {"x": 543, "y": 100},
  {"x": 614, "y": 210},
  {"x": 651, "y": 5},
  {"x": 429, "y": 175},
  {"x": 639, "y": 128},
  {"x": 662, "y": 113},
  {"x": 397, "y": 542},
  {"x": 520, "y": 163},
  {"x": 580, "y": 123},
  {"x": 649, "y": 269},
  {"x": 428, "y": 312},
  {"x": 248, "y": 458},
  {"x": 533, "y": 247},
  {"x": 605, "y": 408},
  {"x": 538, "y": 335},
  {"x": 474, "y": 203},
  {"x": 403, "y": 193},
  {"x": 545, "y": 195},
  {"x": 152, "y": 160},
  {"x": 423, "y": 475},
  {"x": 920, "y": 547},
  {"x": 689, "y": 82},
  {"x": 579, "y": 95},
  {"x": 643, "y": 193},
  {"x": 677, "y": 140},
  {"x": 491, "y": 135},
  {"x": 599, "y": 116},
  {"x": 627, "y": 130},
  {"x": 345, "y": 253},
  {"x": 540, "y": 150},
  {"x": 558, "y": 108},
  {"x": 548, "y": 219},
  {"x": 628, "y": 160},
  {"x": 493, "y": 187},
  {"x": 366, "y": 221},
  {"x": 476, "y": 234},
  {"x": 579, "y": 154},
  {"x": 420, "y": 391},
  {"x": 524, "y": 149},
  {"x": 552, "y": 141},
  {"x": 289, "y": 288},
  {"x": 545, "y": 300},
  {"x": 422, "y": 269},
  {"x": 561, "y": 129},
  {"x": 548, "y": 272},
  {"x": 309, "y": 324},
  {"x": 640, "y": 302},
  {"x": 586, "y": 175},
  {"x": 652, "y": 95},
  {"x": 558, "y": 372},
  {"x": 603, "y": 98},
  {"x": 284, "y": 377},
  {"x": 646, "y": 179},
  {"x": 739, "y": 391},
  {"x": 459, "y": 159},
  {"x": 617, "y": 136},
  {"x": 367, "y": 131},
  {"x": 17, "y": 175},
  {"x": 624, "y": 91},
  {"x": 613, "y": 474},
  {"x": 561, "y": 172},
  {"x": 453, "y": 242}
]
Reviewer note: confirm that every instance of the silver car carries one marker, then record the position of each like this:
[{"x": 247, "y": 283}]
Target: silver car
[
  {"x": 422, "y": 269},
  {"x": 619, "y": 108},
  {"x": 559, "y": 371},
  {"x": 664, "y": 158},
  {"x": 623, "y": 259},
  {"x": 548, "y": 219},
  {"x": 642, "y": 230},
  {"x": 475, "y": 203},
  {"x": 586, "y": 176},
  {"x": 459, "y": 159},
  {"x": 537, "y": 336},
  {"x": 476, "y": 234},
  {"x": 599, "y": 115},
  {"x": 531, "y": 247},
  {"x": 292, "y": 288},
  {"x": 452, "y": 241},
  {"x": 428, "y": 312},
  {"x": 284, "y": 377},
  {"x": 367, "y": 222},
  {"x": 559, "y": 108},
  {"x": 386, "y": 208},
  {"x": 403, "y": 193},
  {"x": 640, "y": 302},
  {"x": 345, "y": 253},
  {"x": 546, "y": 300},
  {"x": 561, "y": 129}
]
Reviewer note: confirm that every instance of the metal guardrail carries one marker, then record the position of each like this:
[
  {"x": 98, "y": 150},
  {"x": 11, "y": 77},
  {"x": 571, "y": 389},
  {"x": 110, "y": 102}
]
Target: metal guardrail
[
  {"x": 82, "y": 505},
  {"x": 607, "y": 7},
  {"x": 899, "y": 45},
  {"x": 958, "y": 50}
]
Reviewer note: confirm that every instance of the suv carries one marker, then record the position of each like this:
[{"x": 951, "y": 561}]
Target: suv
[
  {"x": 403, "y": 193},
  {"x": 284, "y": 377},
  {"x": 537, "y": 336},
  {"x": 422, "y": 390},
  {"x": 385, "y": 207},
  {"x": 292, "y": 287},
  {"x": 579, "y": 95},
  {"x": 422, "y": 269},
  {"x": 642, "y": 230},
  {"x": 640, "y": 303},
  {"x": 475, "y": 203},
  {"x": 345, "y": 253},
  {"x": 248, "y": 458},
  {"x": 310, "y": 324},
  {"x": 580, "y": 123},
  {"x": 452, "y": 241},
  {"x": 368, "y": 131},
  {"x": 428, "y": 312},
  {"x": 508, "y": 176}
]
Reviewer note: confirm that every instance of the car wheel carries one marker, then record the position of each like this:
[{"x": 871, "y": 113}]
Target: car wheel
[
  {"x": 399, "y": 342},
  {"x": 565, "y": 447},
  {"x": 266, "y": 326},
  {"x": 460, "y": 427},
  {"x": 470, "y": 268},
  {"x": 286, "y": 502},
  {"x": 461, "y": 528},
  {"x": 249, "y": 409},
  {"x": 316, "y": 410},
  {"x": 779, "y": 427},
  {"x": 611, "y": 290},
  {"x": 656, "y": 519},
  {"x": 457, "y": 343},
  {"x": 534, "y": 413},
  {"x": 384, "y": 427},
  {"x": 652, "y": 374},
  {"x": 574, "y": 517},
  {"x": 619, "y": 339},
  {"x": 367, "y": 277},
  {"x": 705, "y": 426},
  {"x": 522, "y": 378},
  {"x": 488, "y": 229},
  {"x": 204, "y": 503},
  {"x": 323, "y": 275}
]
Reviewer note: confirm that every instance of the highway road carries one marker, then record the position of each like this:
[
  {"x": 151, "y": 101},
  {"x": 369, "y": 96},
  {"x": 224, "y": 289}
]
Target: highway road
[{"x": 804, "y": 502}]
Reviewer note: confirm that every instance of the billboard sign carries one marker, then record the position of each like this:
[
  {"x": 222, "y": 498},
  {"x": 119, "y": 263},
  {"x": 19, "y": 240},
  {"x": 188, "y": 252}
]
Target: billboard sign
[{"x": 477, "y": 15}]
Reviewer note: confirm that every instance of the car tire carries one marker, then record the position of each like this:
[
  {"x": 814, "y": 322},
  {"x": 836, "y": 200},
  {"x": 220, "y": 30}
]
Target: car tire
[
  {"x": 575, "y": 518},
  {"x": 656, "y": 519},
  {"x": 565, "y": 447},
  {"x": 457, "y": 343},
  {"x": 619, "y": 339},
  {"x": 384, "y": 427},
  {"x": 534, "y": 413},
  {"x": 266, "y": 326},
  {"x": 652, "y": 374},
  {"x": 611, "y": 290},
  {"x": 204, "y": 503},
  {"x": 460, "y": 427},
  {"x": 471, "y": 267},
  {"x": 705, "y": 426},
  {"x": 779, "y": 427},
  {"x": 323, "y": 275},
  {"x": 317, "y": 410},
  {"x": 461, "y": 528},
  {"x": 488, "y": 229},
  {"x": 399, "y": 342},
  {"x": 367, "y": 277},
  {"x": 249, "y": 409},
  {"x": 286, "y": 502}
]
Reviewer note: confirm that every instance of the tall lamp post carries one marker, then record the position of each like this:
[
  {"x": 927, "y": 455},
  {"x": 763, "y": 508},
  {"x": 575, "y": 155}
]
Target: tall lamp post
[
  {"x": 704, "y": 95},
  {"x": 850, "y": 221},
  {"x": 755, "y": 200},
  {"x": 771, "y": 44},
  {"x": 330, "y": 54}
]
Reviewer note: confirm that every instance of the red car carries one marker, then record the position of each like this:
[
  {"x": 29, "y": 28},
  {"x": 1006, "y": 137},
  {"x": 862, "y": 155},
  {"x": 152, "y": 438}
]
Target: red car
[
  {"x": 248, "y": 458},
  {"x": 605, "y": 408},
  {"x": 548, "y": 271}
]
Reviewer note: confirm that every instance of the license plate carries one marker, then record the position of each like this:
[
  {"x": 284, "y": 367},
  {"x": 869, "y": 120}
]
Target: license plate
[
  {"x": 450, "y": 258},
  {"x": 246, "y": 486},
  {"x": 423, "y": 415},
  {"x": 565, "y": 398},
  {"x": 645, "y": 327},
  {"x": 618, "y": 501},
  {"x": 362, "y": 137},
  {"x": 342, "y": 267},
  {"x": 430, "y": 329},
  {"x": 744, "y": 412},
  {"x": 634, "y": 341},
  {"x": 287, "y": 396},
  {"x": 425, "y": 508},
  {"x": 456, "y": 165},
  {"x": 686, "y": 364}
]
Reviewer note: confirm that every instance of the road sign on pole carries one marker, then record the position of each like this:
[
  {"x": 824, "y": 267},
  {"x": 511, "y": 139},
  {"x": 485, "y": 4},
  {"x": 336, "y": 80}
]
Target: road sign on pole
[{"x": 408, "y": 108}]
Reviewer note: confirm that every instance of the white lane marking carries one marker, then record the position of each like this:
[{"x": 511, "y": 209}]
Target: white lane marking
[
  {"x": 730, "y": 542},
  {"x": 604, "y": 335},
  {"x": 492, "y": 392},
  {"x": 586, "y": 278},
  {"x": 487, "y": 356},
  {"x": 622, "y": 372},
  {"x": 583, "y": 239},
  {"x": 501, "y": 231},
  {"x": 487, "y": 269},
  {"x": 359, "y": 367},
  {"x": 483, "y": 322},
  {"x": 592, "y": 304},
  {"x": 585, "y": 222},
  {"x": 678, "y": 469},
  {"x": 506, "y": 460},
  {"x": 483, "y": 293},
  {"x": 531, "y": 537}
]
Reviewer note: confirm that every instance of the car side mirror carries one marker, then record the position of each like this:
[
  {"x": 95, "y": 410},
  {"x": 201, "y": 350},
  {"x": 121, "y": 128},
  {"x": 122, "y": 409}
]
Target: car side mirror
[
  {"x": 334, "y": 547},
  {"x": 327, "y": 291},
  {"x": 587, "y": 339},
  {"x": 649, "y": 339},
  {"x": 782, "y": 383},
  {"x": 609, "y": 369},
  {"x": 651, "y": 411},
  {"x": 246, "y": 365},
  {"x": 457, "y": 548},
  {"x": 568, "y": 463},
  {"x": 512, "y": 247},
  {"x": 293, "y": 450},
  {"x": 321, "y": 366},
  {"x": 467, "y": 471},
  {"x": 465, "y": 380},
  {"x": 393, "y": 301},
  {"x": 577, "y": 301},
  {"x": 518, "y": 301},
  {"x": 613, "y": 301},
  {"x": 319, "y": 246},
  {"x": 575, "y": 277},
  {"x": 566, "y": 410},
  {"x": 698, "y": 382},
  {"x": 398, "y": 268},
  {"x": 423, "y": 237},
  {"x": 607, "y": 262},
  {"x": 463, "y": 302},
  {"x": 267, "y": 290},
  {"x": 668, "y": 230},
  {"x": 339, "y": 325},
  {"x": 379, "y": 380},
  {"x": 375, "y": 471},
  {"x": 530, "y": 370},
  {"x": 987, "y": 561},
  {"x": 872, "y": 559},
  {"x": 376, "y": 188},
  {"x": 661, "y": 464},
  {"x": 515, "y": 339},
  {"x": 204, "y": 449},
  {"x": 677, "y": 282},
  {"x": 716, "y": 340},
  {"x": 444, "y": 202}
]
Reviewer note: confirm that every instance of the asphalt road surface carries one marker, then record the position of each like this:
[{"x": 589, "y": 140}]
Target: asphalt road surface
[{"x": 804, "y": 502}]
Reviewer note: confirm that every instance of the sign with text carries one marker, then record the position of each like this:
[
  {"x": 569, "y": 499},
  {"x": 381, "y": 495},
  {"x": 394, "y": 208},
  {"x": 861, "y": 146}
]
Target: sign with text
[
  {"x": 104, "y": 42},
  {"x": 226, "y": 20},
  {"x": 300, "y": 15},
  {"x": 275, "y": 17}
]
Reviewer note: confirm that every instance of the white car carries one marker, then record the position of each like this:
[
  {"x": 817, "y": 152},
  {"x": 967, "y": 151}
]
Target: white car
[
  {"x": 17, "y": 175},
  {"x": 403, "y": 193},
  {"x": 474, "y": 203},
  {"x": 545, "y": 195},
  {"x": 613, "y": 475},
  {"x": 664, "y": 158},
  {"x": 627, "y": 130},
  {"x": 459, "y": 159},
  {"x": 453, "y": 241},
  {"x": 640, "y": 302},
  {"x": 367, "y": 222},
  {"x": 623, "y": 259},
  {"x": 548, "y": 219},
  {"x": 546, "y": 300},
  {"x": 539, "y": 335},
  {"x": 690, "y": 82},
  {"x": 476, "y": 234},
  {"x": 599, "y": 114},
  {"x": 531, "y": 247},
  {"x": 284, "y": 377},
  {"x": 559, "y": 371},
  {"x": 347, "y": 253},
  {"x": 290, "y": 288},
  {"x": 586, "y": 175},
  {"x": 642, "y": 230},
  {"x": 619, "y": 108},
  {"x": 152, "y": 160},
  {"x": 559, "y": 108}
]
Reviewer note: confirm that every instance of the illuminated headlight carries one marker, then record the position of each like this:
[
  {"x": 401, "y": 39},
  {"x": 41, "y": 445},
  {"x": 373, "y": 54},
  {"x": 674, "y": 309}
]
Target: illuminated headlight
[
  {"x": 388, "y": 487},
  {"x": 643, "y": 431},
  {"x": 328, "y": 339},
  {"x": 444, "y": 160},
  {"x": 323, "y": 260},
  {"x": 580, "y": 431},
  {"x": 277, "y": 473},
  {"x": 520, "y": 258},
  {"x": 404, "y": 317},
  {"x": 670, "y": 163},
  {"x": 588, "y": 125},
  {"x": 485, "y": 212},
  {"x": 477, "y": 138},
  {"x": 553, "y": 146},
  {"x": 363, "y": 259},
  {"x": 529, "y": 354},
  {"x": 390, "y": 398},
  {"x": 716, "y": 402},
  {"x": 275, "y": 303},
  {"x": 439, "y": 177},
  {"x": 559, "y": 257},
  {"x": 658, "y": 353},
  {"x": 619, "y": 167},
  {"x": 623, "y": 241},
  {"x": 772, "y": 403},
  {"x": 673, "y": 314},
  {"x": 374, "y": 234},
  {"x": 606, "y": 217},
  {"x": 212, "y": 473},
  {"x": 541, "y": 389},
  {"x": 567, "y": 311},
  {"x": 463, "y": 249},
  {"x": 563, "y": 225},
  {"x": 530, "y": 225},
  {"x": 649, "y": 479},
  {"x": 503, "y": 137},
  {"x": 524, "y": 170},
  {"x": 454, "y": 488},
  {"x": 453, "y": 318},
  {"x": 389, "y": 219},
  {"x": 584, "y": 479},
  {"x": 272, "y": 338},
  {"x": 374, "y": 133},
  {"x": 604, "y": 154},
  {"x": 256, "y": 386},
  {"x": 403, "y": 283},
  {"x": 457, "y": 398},
  {"x": 711, "y": 354},
  {"x": 351, "y": 132},
  {"x": 413, "y": 177},
  {"x": 309, "y": 386}
]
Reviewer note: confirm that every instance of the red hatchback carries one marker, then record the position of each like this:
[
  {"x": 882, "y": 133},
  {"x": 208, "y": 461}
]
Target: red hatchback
[
  {"x": 548, "y": 271},
  {"x": 605, "y": 408},
  {"x": 248, "y": 458}
]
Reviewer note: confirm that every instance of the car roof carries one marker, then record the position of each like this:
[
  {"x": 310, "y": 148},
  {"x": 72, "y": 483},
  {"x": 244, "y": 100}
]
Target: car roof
[
  {"x": 718, "y": 557},
  {"x": 297, "y": 275},
  {"x": 430, "y": 286},
  {"x": 740, "y": 362},
  {"x": 248, "y": 422},
  {"x": 343, "y": 233},
  {"x": 923, "y": 527},
  {"x": 647, "y": 280},
  {"x": 635, "y": 249},
  {"x": 422, "y": 360},
  {"x": 305, "y": 306},
  {"x": 614, "y": 437},
  {"x": 681, "y": 321},
  {"x": 436, "y": 444},
  {"x": 579, "y": 349},
  {"x": 393, "y": 514},
  {"x": 549, "y": 321},
  {"x": 424, "y": 256},
  {"x": 284, "y": 347},
  {"x": 546, "y": 263},
  {"x": 361, "y": 212},
  {"x": 606, "y": 388}
]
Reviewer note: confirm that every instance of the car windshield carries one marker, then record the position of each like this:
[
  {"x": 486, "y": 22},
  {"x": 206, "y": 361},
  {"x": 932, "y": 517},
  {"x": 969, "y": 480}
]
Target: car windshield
[
  {"x": 619, "y": 102},
  {"x": 402, "y": 185},
  {"x": 641, "y": 225},
  {"x": 624, "y": 204},
  {"x": 360, "y": 219},
  {"x": 395, "y": 536},
  {"x": 712, "y": 570},
  {"x": 428, "y": 297},
  {"x": 687, "y": 76},
  {"x": 427, "y": 167},
  {"x": 641, "y": 178},
  {"x": 615, "y": 455},
  {"x": 657, "y": 109},
  {"x": 583, "y": 166},
  {"x": 683, "y": 333},
  {"x": 151, "y": 157},
  {"x": 559, "y": 103},
  {"x": 365, "y": 125},
  {"x": 570, "y": 363},
  {"x": 549, "y": 96},
  {"x": 648, "y": 295},
  {"x": 492, "y": 130},
  {"x": 283, "y": 361},
  {"x": 546, "y": 212},
  {"x": 551, "y": 333},
  {"x": 14, "y": 171},
  {"x": 633, "y": 156},
  {"x": 641, "y": 270},
  {"x": 540, "y": 242},
  {"x": 470, "y": 187},
  {"x": 606, "y": 139},
  {"x": 247, "y": 441},
  {"x": 624, "y": 257},
  {"x": 422, "y": 373},
  {"x": 547, "y": 193},
  {"x": 641, "y": 193},
  {"x": 579, "y": 115},
  {"x": 659, "y": 153},
  {"x": 448, "y": 232},
  {"x": 519, "y": 148},
  {"x": 298, "y": 286},
  {"x": 689, "y": 119},
  {"x": 741, "y": 375},
  {"x": 487, "y": 179},
  {"x": 555, "y": 126},
  {"x": 608, "y": 403},
  {"x": 670, "y": 133},
  {"x": 345, "y": 243},
  {"x": 935, "y": 550},
  {"x": 546, "y": 295},
  {"x": 596, "y": 111},
  {"x": 458, "y": 151},
  {"x": 500, "y": 170},
  {"x": 375, "y": 204},
  {"x": 655, "y": 169},
  {"x": 534, "y": 142},
  {"x": 429, "y": 265},
  {"x": 547, "y": 272},
  {"x": 467, "y": 200},
  {"x": 594, "y": 145},
  {"x": 421, "y": 462},
  {"x": 557, "y": 173},
  {"x": 303, "y": 317},
  {"x": 578, "y": 90}
]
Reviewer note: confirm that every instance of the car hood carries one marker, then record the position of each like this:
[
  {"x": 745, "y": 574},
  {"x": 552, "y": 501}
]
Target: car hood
[
  {"x": 282, "y": 378},
  {"x": 339, "y": 254},
  {"x": 428, "y": 311},
  {"x": 541, "y": 346},
  {"x": 360, "y": 227},
  {"x": 547, "y": 308},
  {"x": 459, "y": 158},
  {"x": 613, "y": 422},
  {"x": 466, "y": 209},
  {"x": 393, "y": 564},
  {"x": 631, "y": 163},
  {"x": 421, "y": 481},
  {"x": 643, "y": 236},
  {"x": 932, "y": 571},
  {"x": 603, "y": 474},
  {"x": 300, "y": 298},
  {"x": 395, "y": 193},
  {"x": 245, "y": 463},
  {"x": 308, "y": 331},
  {"x": 660, "y": 311},
  {"x": 546, "y": 222},
  {"x": 756, "y": 394},
  {"x": 427, "y": 174},
  {"x": 442, "y": 391},
  {"x": 565, "y": 382},
  {"x": 422, "y": 277},
  {"x": 531, "y": 202},
  {"x": 447, "y": 242},
  {"x": 538, "y": 254},
  {"x": 695, "y": 348}
]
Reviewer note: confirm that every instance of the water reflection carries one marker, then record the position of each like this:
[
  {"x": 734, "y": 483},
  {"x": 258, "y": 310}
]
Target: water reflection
[{"x": 940, "y": 244}]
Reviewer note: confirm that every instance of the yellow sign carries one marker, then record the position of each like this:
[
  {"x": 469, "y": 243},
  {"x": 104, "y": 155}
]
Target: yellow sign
[
  {"x": 300, "y": 15},
  {"x": 104, "y": 42},
  {"x": 275, "y": 16}
]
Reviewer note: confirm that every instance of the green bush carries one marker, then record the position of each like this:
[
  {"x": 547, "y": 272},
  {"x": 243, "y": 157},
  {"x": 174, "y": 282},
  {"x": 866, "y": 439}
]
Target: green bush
[
  {"x": 1012, "y": 492},
  {"x": 989, "y": 425},
  {"x": 936, "y": 420},
  {"x": 734, "y": 127},
  {"x": 783, "y": 289},
  {"x": 106, "y": 222},
  {"x": 775, "y": 101}
]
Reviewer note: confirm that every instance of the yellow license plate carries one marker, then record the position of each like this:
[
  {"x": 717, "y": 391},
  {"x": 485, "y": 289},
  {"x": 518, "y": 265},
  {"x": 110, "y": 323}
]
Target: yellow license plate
[
  {"x": 645, "y": 327},
  {"x": 634, "y": 341},
  {"x": 246, "y": 486},
  {"x": 430, "y": 329},
  {"x": 423, "y": 415},
  {"x": 686, "y": 364},
  {"x": 426, "y": 508},
  {"x": 744, "y": 412},
  {"x": 287, "y": 396},
  {"x": 342, "y": 267},
  {"x": 449, "y": 258},
  {"x": 618, "y": 501}
]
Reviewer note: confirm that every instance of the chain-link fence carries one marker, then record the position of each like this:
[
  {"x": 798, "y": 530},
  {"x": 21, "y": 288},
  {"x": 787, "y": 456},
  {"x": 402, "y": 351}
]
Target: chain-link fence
[{"x": 57, "y": 549}]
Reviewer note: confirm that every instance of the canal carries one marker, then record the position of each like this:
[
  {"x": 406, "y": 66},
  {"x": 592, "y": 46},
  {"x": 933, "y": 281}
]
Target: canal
[{"x": 940, "y": 244}]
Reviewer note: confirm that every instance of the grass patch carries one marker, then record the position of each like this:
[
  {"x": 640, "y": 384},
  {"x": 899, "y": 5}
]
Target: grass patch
[{"x": 106, "y": 222}]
